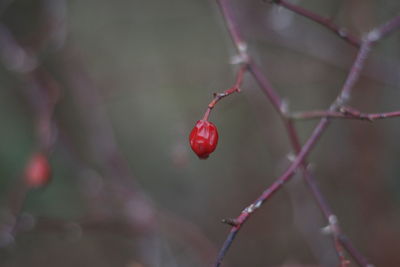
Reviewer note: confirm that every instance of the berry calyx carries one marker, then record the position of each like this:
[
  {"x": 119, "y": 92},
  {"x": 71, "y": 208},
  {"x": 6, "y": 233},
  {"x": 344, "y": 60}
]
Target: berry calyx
[
  {"x": 203, "y": 138},
  {"x": 38, "y": 171}
]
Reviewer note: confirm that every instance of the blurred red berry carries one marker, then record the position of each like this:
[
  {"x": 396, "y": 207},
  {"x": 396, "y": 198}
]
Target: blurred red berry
[
  {"x": 38, "y": 171},
  {"x": 203, "y": 138}
]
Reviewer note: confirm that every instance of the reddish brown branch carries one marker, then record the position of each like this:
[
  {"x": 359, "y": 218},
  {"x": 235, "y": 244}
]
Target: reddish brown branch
[
  {"x": 247, "y": 212},
  {"x": 326, "y": 22},
  {"x": 343, "y": 97},
  {"x": 234, "y": 89},
  {"x": 241, "y": 47},
  {"x": 385, "y": 29},
  {"x": 353, "y": 76},
  {"x": 307, "y": 175},
  {"x": 344, "y": 113}
]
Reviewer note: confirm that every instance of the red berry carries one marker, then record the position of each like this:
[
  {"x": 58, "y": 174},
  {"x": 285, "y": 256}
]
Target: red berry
[
  {"x": 38, "y": 171},
  {"x": 203, "y": 138}
]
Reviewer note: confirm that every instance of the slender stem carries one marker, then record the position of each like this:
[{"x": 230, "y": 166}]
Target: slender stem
[
  {"x": 385, "y": 29},
  {"x": 326, "y": 22},
  {"x": 225, "y": 247},
  {"x": 342, "y": 114},
  {"x": 241, "y": 48},
  {"x": 357, "y": 256},
  {"x": 353, "y": 75},
  {"x": 234, "y": 89},
  {"x": 271, "y": 190},
  {"x": 266, "y": 86}
]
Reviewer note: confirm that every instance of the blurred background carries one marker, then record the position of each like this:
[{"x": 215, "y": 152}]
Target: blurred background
[{"x": 109, "y": 91}]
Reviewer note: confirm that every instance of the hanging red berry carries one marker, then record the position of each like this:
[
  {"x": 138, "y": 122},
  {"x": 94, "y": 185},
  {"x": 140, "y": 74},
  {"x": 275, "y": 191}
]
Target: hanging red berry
[
  {"x": 38, "y": 171},
  {"x": 203, "y": 138}
]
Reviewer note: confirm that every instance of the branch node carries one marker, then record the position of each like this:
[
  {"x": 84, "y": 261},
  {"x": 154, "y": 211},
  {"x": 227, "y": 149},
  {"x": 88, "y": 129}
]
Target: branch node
[
  {"x": 230, "y": 221},
  {"x": 373, "y": 36},
  {"x": 342, "y": 33},
  {"x": 252, "y": 207},
  {"x": 343, "y": 98},
  {"x": 241, "y": 58},
  {"x": 291, "y": 157},
  {"x": 242, "y": 47},
  {"x": 284, "y": 107},
  {"x": 331, "y": 227},
  {"x": 333, "y": 220},
  {"x": 258, "y": 204}
]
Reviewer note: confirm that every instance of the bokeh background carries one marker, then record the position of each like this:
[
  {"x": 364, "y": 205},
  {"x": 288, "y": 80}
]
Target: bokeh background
[{"x": 128, "y": 80}]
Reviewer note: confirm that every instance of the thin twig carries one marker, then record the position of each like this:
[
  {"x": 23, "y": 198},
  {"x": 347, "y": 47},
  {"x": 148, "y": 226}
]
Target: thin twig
[
  {"x": 385, "y": 29},
  {"x": 353, "y": 76},
  {"x": 307, "y": 175},
  {"x": 344, "y": 114},
  {"x": 247, "y": 212},
  {"x": 241, "y": 47},
  {"x": 234, "y": 89},
  {"x": 326, "y": 22},
  {"x": 276, "y": 101}
]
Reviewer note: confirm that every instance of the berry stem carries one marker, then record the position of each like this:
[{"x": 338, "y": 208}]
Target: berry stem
[{"x": 234, "y": 89}]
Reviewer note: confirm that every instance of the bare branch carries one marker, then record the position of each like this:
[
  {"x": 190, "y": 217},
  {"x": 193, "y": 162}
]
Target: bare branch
[
  {"x": 326, "y": 22},
  {"x": 234, "y": 89},
  {"x": 300, "y": 160},
  {"x": 344, "y": 113}
]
